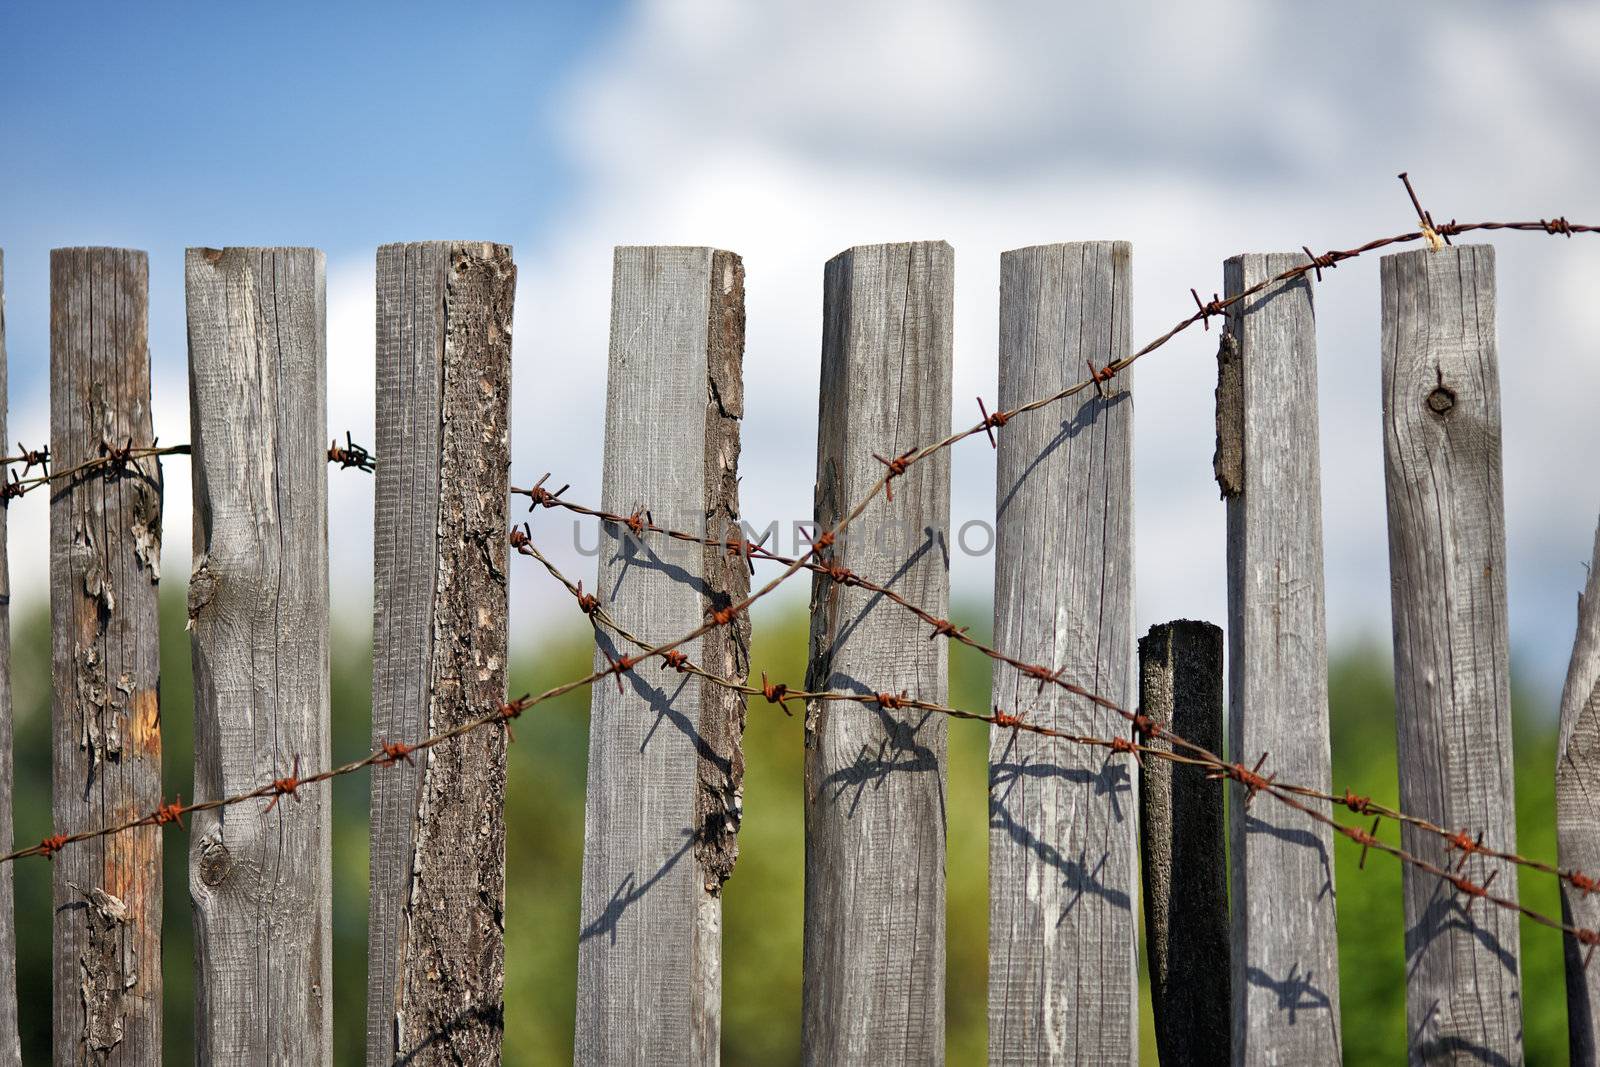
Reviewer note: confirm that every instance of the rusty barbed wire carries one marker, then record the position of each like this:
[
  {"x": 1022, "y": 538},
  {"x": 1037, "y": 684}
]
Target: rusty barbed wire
[
  {"x": 1250, "y": 779},
  {"x": 1456, "y": 839},
  {"x": 115, "y": 459},
  {"x": 350, "y": 455}
]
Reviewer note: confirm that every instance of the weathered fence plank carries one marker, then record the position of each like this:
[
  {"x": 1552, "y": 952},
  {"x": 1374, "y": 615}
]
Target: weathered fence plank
[
  {"x": 1578, "y": 814},
  {"x": 436, "y": 944},
  {"x": 1447, "y": 554},
  {"x": 1285, "y": 968},
  {"x": 874, "y": 777},
  {"x": 10, "y": 1040},
  {"x": 666, "y": 767},
  {"x": 1184, "y": 849},
  {"x": 105, "y": 560},
  {"x": 1063, "y": 941},
  {"x": 260, "y": 872}
]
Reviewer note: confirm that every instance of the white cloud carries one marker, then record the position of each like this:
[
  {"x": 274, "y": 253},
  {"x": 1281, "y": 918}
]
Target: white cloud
[{"x": 789, "y": 131}]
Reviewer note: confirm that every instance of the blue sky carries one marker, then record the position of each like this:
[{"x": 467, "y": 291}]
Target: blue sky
[
  {"x": 159, "y": 126},
  {"x": 788, "y": 131}
]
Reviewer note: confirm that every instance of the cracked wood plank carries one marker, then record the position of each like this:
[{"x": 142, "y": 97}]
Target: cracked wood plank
[
  {"x": 436, "y": 924},
  {"x": 666, "y": 768},
  {"x": 1285, "y": 966},
  {"x": 1183, "y": 848},
  {"x": 1578, "y": 814},
  {"x": 10, "y": 1039},
  {"x": 1063, "y": 956},
  {"x": 105, "y": 530},
  {"x": 875, "y": 777},
  {"x": 260, "y": 873},
  {"x": 1447, "y": 556}
]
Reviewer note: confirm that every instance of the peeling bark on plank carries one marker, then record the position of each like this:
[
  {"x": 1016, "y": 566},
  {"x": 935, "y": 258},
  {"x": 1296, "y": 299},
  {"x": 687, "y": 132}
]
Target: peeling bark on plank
[
  {"x": 1578, "y": 815},
  {"x": 260, "y": 874},
  {"x": 10, "y": 1039},
  {"x": 665, "y": 790},
  {"x": 106, "y": 736},
  {"x": 874, "y": 778},
  {"x": 1447, "y": 557},
  {"x": 436, "y": 946},
  {"x": 1285, "y": 962}
]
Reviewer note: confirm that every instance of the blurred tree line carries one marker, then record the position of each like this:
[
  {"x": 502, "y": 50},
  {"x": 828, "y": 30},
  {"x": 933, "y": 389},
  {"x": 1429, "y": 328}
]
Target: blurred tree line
[{"x": 764, "y": 900}]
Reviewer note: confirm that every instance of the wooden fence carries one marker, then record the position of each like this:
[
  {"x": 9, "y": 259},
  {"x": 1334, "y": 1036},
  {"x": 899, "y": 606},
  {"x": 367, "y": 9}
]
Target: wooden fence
[{"x": 1081, "y": 830}]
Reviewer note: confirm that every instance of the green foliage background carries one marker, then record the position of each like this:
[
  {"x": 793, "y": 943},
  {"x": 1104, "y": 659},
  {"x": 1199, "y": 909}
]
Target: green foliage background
[{"x": 762, "y": 920}]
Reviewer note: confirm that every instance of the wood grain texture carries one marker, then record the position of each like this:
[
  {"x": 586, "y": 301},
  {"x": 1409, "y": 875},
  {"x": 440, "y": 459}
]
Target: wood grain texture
[
  {"x": 1578, "y": 814},
  {"x": 874, "y": 777},
  {"x": 436, "y": 925},
  {"x": 10, "y": 1039},
  {"x": 260, "y": 873},
  {"x": 665, "y": 789},
  {"x": 105, "y": 561},
  {"x": 1183, "y": 848},
  {"x": 1447, "y": 553},
  {"x": 1285, "y": 965},
  {"x": 1063, "y": 940}
]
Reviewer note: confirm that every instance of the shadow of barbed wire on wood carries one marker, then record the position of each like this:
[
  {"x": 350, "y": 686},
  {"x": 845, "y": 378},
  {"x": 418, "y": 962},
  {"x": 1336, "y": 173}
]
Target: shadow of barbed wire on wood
[
  {"x": 629, "y": 891},
  {"x": 897, "y": 752},
  {"x": 1452, "y": 1048},
  {"x": 663, "y": 706},
  {"x": 1081, "y": 421},
  {"x": 1300, "y": 838},
  {"x": 632, "y": 552},
  {"x": 478, "y": 1015},
  {"x": 1078, "y": 877},
  {"x": 1446, "y": 913},
  {"x": 1295, "y": 992},
  {"x": 931, "y": 539}
]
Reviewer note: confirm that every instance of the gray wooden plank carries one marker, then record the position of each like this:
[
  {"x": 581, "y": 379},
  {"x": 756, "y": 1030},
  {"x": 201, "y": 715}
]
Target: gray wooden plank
[
  {"x": 665, "y": 789},
  {"x": 1578, "y": 815},
  {"x": 260, "y": 872},
  {"x": 1063, "y": 940},
  {"x": 1447, "y": 553},
  {"x": 1183, "y": 848},
  {"x": 1285, "y": 965},
  {"x": 875, "y": 825},
  {"x": 436, "y": 937},
  {"x": 10, "y": 1040},
  {"x": 105, "y": 560}
]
